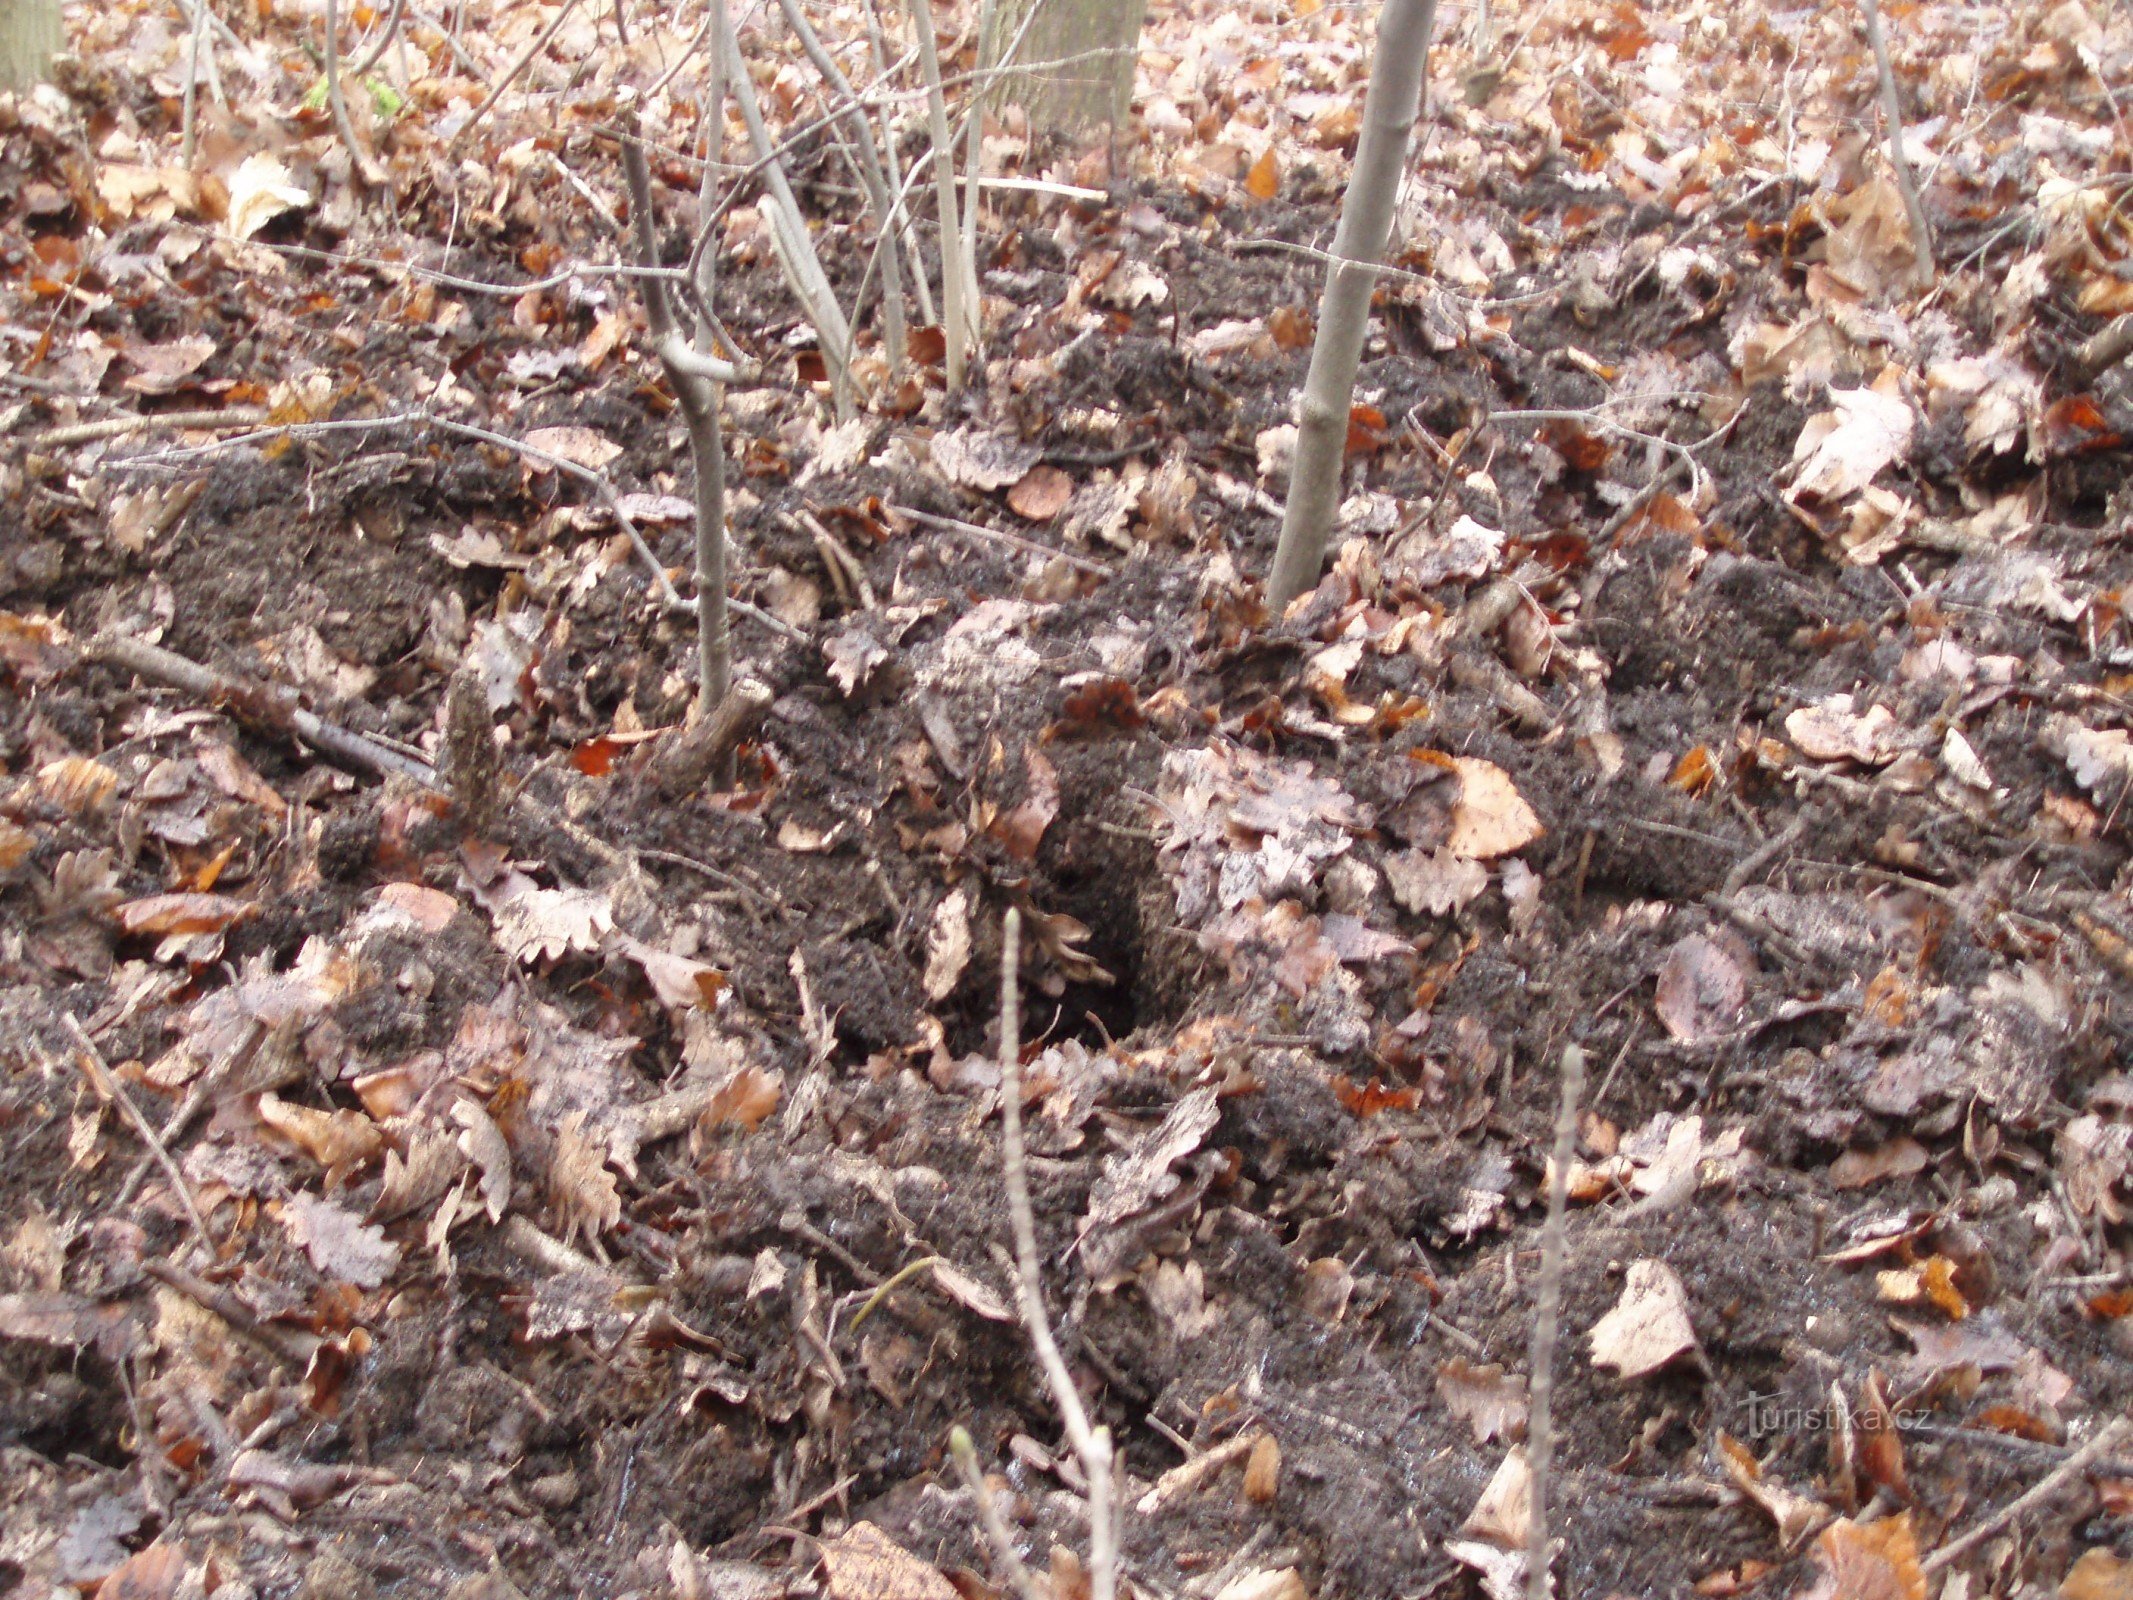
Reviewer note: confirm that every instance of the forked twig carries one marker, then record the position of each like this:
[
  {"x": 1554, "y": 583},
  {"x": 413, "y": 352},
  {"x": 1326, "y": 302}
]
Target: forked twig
[{"x": 107, "y": 1085}]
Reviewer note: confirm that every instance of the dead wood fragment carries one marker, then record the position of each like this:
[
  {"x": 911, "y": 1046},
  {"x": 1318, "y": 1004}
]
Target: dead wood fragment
[
  {"x": 259, "y": 705},
  {"x": 683, "y": 763},
  {"x": 2104, "y": 349}
]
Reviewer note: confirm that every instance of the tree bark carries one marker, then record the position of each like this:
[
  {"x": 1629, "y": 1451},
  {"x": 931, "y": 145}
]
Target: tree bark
[
  {"x": 1389, "y": 111},
  {"x": 1077, "y": 61},
  {"x": 30, "y": 35}
]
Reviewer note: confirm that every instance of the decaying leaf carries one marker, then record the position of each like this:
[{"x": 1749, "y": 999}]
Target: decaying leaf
[
  {"x": 339, "y": 1243},
  {"x": 1486, "y": 1398},
  {"x": 1649, "y": 1326},
  {"x": 948, "y": 944},
  {"x": 1868, "y": 1561},
  {"x": 1491, "y": 819},
  {"x": 863, "y": 1563},
  {"x": 583, "y": 1191},
  {"x": 1701, "y": 988}
]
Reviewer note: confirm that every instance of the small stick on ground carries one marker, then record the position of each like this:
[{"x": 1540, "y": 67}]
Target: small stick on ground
[
  {"x": 1547, "y": 1320},
  {"x": 141, "y": 422},
  {"x": 107, "y": 1084},
  {"x": 2058, "y": 1478},
  {"x": 989, "y": 1518},
  {"x": 1092, "y": 1446},
  {"x": 343, "y": 124},
  {"x": 510, "y": 76},
  {"x": 293, "y": 1345},
  {"x": 1013, "y": 541},
  {"x": 259, "y": 704},
  {"x": 1923, "y": 269}
]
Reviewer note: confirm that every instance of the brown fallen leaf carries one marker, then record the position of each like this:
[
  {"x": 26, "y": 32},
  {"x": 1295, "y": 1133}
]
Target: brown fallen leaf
[
  {"x": 1830, "y": 730},
  {"x": 1796, "y": 1515},
  {"x": 581, "y": 447},
  {"x": 339, "y": 1243},
  {"x": 150, "y": 1574},
  {"x": 1701, "y": 987},
  {"x": 339, "y": 1141},
  {"x": 2100, "y": 1574},
  {"x": 586, "y": 1198},
  {"x": 1868, "y": 1561},
  {"x": 1899, "y": 1158},
  {"x": 866, "y": 1564},
  {"x": 1487, "y": 1399},
  {"x": 1649, "y": 1326},
  {"x": 1041, "y": 494},
  {"x": 183, "y": 913},
  {"x": 1491, "y": 819}
]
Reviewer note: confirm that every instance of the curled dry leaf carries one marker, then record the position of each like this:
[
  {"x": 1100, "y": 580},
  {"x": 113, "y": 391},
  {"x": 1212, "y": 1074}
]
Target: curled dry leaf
[
  {"x": 1899, "y": 1158},
  {"x": 74, "y": 785},
  {"x": 973, "y": 458},
  {"x": 1504, "y": 1514},
  {"x": 1486, "y": 1398},
  {"x": 338, "y": 1141},
  {"x": 1796, "y": 1515},
  {"x": 948, "y": 945},
  {"x": 1868, "y": 1561},
  {"x": 260, "y": 191},
  {"x": 586, "y": 1198},
  {"x": 854, "y": 656},
  {"x": 743, "y": 1100},
  {"x": 1649, "y": 1326},
  {"x": 1840, "y": 451},
  {"x": 483, "y": 1143},
  {"x": 580, "y": 446},
  {"x": 1491, "y": 819},
  {"x": 535, "y": 924},
  {"x": 1434, "y": 883}
]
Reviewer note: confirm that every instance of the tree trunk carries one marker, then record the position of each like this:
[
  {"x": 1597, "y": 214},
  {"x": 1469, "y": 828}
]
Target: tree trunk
[
  {"x": 1389, "y": 110},
  {"x": 1075, "y": 62},
  {"x": 29, "y": 37}
]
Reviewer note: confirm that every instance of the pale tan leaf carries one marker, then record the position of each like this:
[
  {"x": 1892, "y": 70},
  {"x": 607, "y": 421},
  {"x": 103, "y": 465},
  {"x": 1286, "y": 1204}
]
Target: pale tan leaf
[
  {"x": 1491, "y": 819},
  {"x": 863, "y": 1563},
  {"x": 586, "y": 1198},
  {"x": 339, "y": 1244},
  {"x": 1649, "y": 1326}
]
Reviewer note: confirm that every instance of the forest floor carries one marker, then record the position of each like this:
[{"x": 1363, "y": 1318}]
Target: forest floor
[{"x": 570, "y": 1187}]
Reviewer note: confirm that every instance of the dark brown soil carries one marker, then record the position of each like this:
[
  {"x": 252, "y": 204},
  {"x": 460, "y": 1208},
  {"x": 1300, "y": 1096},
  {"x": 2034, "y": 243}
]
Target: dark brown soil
[{"x": 475, "y": 1433}]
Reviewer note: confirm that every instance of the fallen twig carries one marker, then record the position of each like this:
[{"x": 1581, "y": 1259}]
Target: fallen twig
[
  {"x": 290, "y": 1344},
  {"x": 1092, "y": 1446},
  {"x": 261, "y": 704},
  {"x": 989, "y": 1518},
  {"x": 1014, "y": 541},
  {"x": 2052, "y": 1482},
  {"x": 510, "y": 76},
  {"x": 1547, "y": 1321},
  {"x": 141, "y": 422},
  {"x": 107, "y": 1085},
  {"x": 1906, "y": 180},
  {"x": 1766, "y": 852},
  {"x": 1187, "y": 1475}
]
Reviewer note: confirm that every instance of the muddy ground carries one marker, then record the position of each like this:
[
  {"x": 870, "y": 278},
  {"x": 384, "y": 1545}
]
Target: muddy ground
[{"x": 1905, "y": 988}]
